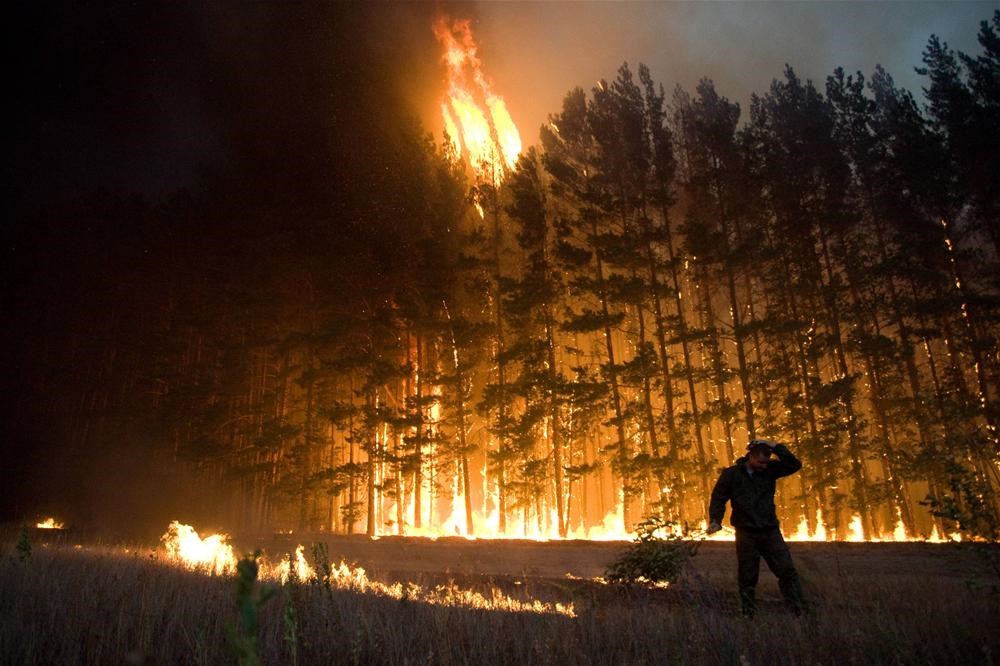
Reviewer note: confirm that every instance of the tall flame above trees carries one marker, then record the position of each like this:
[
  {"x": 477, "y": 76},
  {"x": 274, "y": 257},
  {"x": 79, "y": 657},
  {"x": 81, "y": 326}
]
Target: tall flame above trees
[{"x": 476, "y": 118}]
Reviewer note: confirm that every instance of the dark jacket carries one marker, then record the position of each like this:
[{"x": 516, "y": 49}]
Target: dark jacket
[{"x": 752, "y": 497}]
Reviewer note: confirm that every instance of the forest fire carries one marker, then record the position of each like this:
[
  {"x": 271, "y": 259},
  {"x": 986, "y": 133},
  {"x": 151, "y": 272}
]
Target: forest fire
[
  {"x": 630, "y": 316},
  {"x": 502, "y": 333},
  {"x": 533, "y": 529},
  {"x": 475, "y": 116},
  {"x": 610, "y": 529}
]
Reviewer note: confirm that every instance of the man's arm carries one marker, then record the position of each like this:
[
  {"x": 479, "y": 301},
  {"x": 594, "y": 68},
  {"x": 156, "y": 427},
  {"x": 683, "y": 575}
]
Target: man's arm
[
  {"x": 785, "y": 464},
  {"x": 717, "y": 506}
]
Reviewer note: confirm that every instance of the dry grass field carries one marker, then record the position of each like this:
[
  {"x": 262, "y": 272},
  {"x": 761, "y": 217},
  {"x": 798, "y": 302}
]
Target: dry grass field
[{"x": 453, "y": 601}]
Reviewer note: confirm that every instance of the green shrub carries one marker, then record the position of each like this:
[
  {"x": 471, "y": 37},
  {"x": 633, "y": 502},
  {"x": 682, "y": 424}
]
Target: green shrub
[
  {"x": 321, "y": 562},
  {"x": 23, "y": 546},
  {"x": 250, "y": 599},
  {"x": 659, "y": 554},
  {"x": 291, "y": 628},
  {"x": 968, "y": 504}
]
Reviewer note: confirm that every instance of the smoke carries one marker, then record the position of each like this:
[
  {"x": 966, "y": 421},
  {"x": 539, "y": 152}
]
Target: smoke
[
  {"x": 152, "y": 97},
  {"x": 536, "y": 52}
]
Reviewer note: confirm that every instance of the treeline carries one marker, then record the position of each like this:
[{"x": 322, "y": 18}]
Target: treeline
[{"x": 662, "y": 279}]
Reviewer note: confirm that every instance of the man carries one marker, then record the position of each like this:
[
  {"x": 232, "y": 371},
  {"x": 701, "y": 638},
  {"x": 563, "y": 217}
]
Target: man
[{"x": 749, "y": 486}]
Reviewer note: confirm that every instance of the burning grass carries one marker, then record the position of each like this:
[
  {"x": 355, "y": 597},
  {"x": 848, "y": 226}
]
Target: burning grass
[
  {"x": 908, "y": 603},
  {"x": 49, "y": 524}
]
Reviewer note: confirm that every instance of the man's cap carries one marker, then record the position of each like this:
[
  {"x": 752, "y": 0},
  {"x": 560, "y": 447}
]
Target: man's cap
[{"x": 756, "y": 445}]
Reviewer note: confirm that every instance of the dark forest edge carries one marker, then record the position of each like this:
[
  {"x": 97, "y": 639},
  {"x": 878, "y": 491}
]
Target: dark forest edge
[{"x": 656, "y": 283}]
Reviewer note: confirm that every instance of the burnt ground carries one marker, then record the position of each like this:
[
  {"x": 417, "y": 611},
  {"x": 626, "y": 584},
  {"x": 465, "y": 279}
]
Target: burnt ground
[
  {"x": 405, "y": 557},
  {"x": 588, "y": 559},
  {"x": 458, "y": 556},
  {"x": 842, "y": 581},
  {"x": 565, "y": 570},
  {"x": 834, "y": 575}
]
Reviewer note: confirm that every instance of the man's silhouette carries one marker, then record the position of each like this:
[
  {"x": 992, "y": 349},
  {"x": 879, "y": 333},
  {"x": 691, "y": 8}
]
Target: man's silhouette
[{"x": 749, "y": 486}]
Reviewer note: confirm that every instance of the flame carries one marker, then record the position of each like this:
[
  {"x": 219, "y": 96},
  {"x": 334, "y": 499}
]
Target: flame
[
  {"x": 856, "y": 528},
  {"x": 455, "y": 522},
  {"x": 935, "y": 536},
  {"x": 855, "y": 533},
  {"x": 49, "y": 524},
  {"x": 283, "y": 571},
  {"x": 476, "y": 118},
  {"x": 486, "y": 524},
  {"x": 610, "y": 529},
  {"x": 215, "y": 556},
  {"x": 212, "y": 554},
  {"x": 802, "y": 532},
  {"x": 356, "y": 579},
  {"x": 899, "y": 532}
]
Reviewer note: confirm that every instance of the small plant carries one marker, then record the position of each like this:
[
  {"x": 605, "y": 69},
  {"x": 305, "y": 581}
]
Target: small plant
[
  {"x": 249, "y": 600},
  {"x": 291, "y": 628},
  {"x": 659, "y": 554},
  {"x": 321, "y": 560},
  {"x": 969, "y": 506},
  {"x": 23, "y": 546}
]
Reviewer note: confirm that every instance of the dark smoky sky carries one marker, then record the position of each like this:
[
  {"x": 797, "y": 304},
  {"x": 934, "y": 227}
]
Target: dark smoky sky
[
  {"x": 537, "y": 51},
  {"x": 147, "y": 97}
]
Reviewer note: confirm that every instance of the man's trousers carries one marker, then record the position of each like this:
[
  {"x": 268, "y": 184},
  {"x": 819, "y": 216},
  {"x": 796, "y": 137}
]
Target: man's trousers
[{"x": 751, "y": 545}]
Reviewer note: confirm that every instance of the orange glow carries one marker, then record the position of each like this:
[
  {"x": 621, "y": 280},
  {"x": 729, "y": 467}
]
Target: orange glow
[
  {"x": 725, "y": 534},
  {"x": 486, "y": 522},
  {"x": 899, "y": 533},
  {"x": 476, "y": 118},
  {"x": 303, "y": 572},
  {"x": 212, "y": 554},
  {"x": 802, "y": 532},
  {"x": 49, "y": 524},
  {"x": 857, "y": 531}
]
